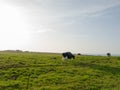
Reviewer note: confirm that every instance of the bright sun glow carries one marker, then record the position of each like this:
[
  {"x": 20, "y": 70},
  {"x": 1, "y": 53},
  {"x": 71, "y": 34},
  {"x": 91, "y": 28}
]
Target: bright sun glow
[{"x": 13, "y": 29}]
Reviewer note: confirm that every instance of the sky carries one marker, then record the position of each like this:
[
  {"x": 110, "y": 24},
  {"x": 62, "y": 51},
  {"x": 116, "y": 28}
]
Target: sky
[{"x": 78, "y": 26}]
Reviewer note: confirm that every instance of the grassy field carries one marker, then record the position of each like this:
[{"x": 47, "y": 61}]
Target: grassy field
[{"x": 43, "y": 71}]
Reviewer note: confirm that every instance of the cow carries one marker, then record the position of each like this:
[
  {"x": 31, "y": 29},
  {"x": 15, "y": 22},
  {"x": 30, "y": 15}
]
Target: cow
[
  {"x": 68, "y": 55},
  {"x": 108, "y": 54}
]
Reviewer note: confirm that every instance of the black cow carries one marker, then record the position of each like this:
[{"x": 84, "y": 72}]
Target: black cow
[
  {"x": 68, "y": 55},
  {"x": 108, "y": 54}
]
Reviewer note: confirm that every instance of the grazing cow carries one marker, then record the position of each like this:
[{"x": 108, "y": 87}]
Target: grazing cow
[
  {"x": 79, "y": 54},
  {"x": 68, "y": 55},
  {"x": 108, "y": 54}
]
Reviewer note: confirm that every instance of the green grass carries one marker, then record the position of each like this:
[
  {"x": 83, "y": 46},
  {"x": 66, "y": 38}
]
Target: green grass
[{"x": 49, "y": 72}]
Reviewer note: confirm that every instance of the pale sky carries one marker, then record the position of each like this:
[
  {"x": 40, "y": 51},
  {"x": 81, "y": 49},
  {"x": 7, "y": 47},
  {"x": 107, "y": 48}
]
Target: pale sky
[{"x": 79, "y": 26}]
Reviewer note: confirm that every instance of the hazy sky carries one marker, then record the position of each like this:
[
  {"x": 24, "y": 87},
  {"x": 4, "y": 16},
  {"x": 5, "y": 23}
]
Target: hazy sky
[{"x": 79, "y": 26}]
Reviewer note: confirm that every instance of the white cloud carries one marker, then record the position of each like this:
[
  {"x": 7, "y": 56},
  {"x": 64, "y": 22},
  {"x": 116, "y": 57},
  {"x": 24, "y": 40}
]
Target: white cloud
[
  {"x": 62, "y": 8},
  {"x": 45, "y": 12},
  {"x": 68, "y": 17},
  {"x": 55, "y": 14},
  {"x": 42, "y": 31}
]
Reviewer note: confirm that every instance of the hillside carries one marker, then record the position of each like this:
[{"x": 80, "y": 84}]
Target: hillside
[{"x": 42, "y": 71}]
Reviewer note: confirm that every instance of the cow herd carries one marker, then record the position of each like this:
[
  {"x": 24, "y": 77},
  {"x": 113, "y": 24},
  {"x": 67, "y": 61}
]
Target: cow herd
[{"x": 69, "y": 55}]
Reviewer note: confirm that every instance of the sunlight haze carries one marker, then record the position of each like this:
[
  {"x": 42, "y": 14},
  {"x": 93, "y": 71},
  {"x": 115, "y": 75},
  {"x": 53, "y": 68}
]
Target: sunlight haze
[{"x": 79, "y": 26}]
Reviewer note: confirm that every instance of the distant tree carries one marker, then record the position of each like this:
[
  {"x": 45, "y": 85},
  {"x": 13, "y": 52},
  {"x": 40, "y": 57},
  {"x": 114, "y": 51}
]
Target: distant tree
[
  {"x": 26, "y": 51},
  {"x": 18, "y": 50}
]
